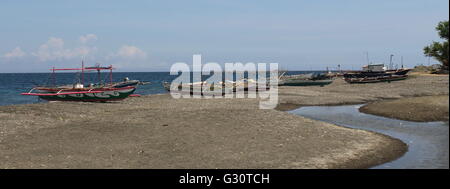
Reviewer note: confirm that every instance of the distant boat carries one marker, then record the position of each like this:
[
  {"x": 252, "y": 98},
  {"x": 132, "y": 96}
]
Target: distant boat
[
  {"x": 198, "y": 88},
  {"x": 100, "y": 92},
  {"x": 384, "y": 78},
  {"x": 311, "y": 79},
  {"x": 220, "y": 88},
  {"x": 363, "y": 74},
  {"x": 375, "y": 73},
  {"x": 305, "y": 82}
]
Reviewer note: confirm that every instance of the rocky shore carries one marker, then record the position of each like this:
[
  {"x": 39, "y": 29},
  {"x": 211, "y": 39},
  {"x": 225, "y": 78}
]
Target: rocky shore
[{"x": 160, "y": 132}]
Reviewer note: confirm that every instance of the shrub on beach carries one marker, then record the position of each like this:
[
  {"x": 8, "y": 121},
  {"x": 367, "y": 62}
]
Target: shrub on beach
[
  {"x": 439, "y": 50},
  {"x": 433, "y": 69}
]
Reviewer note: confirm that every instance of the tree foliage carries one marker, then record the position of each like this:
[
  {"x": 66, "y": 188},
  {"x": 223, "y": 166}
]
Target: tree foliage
[{"x": 438, "y": 50}]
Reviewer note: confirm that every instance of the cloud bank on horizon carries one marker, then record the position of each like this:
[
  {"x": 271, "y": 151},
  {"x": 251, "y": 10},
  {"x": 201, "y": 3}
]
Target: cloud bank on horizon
[
  {"x": 54, "y": 50},
  {"x": 152, "y": 35}
]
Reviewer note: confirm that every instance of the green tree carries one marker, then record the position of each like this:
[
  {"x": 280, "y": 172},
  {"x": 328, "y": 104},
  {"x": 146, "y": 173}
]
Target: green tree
[{"x": 437, "y": 50}]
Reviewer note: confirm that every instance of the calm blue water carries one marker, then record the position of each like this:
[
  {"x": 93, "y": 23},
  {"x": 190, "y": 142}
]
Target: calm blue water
[{"x": 12, "y": 84}]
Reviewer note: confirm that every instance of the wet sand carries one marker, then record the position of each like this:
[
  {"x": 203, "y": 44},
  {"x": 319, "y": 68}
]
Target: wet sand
[
  {"x": 160, "y": 132},
  {"x": 428, "y": 146},
  {"x": 420, "y": 109}
]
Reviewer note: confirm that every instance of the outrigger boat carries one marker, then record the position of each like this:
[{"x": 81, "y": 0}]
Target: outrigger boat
[
  {"x": 216, "y": 89},
  {"x": 311, "y": 79},
  {"x": 100, "y": 92},
  {"x": 305, "y": 82}
]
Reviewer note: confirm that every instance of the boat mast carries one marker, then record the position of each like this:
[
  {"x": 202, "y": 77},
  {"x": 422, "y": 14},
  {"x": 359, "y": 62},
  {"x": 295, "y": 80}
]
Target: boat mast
[
  {"x": 99, "y": 77},
  {"x": 402, "y": 62},
  {"x": 367, "y": 58},
  {"x": 390, "y": 62},
  {"x": 54, "y": 77},
  {"x": 82, "y": 72},
  {"x": 110, "y": 75}
]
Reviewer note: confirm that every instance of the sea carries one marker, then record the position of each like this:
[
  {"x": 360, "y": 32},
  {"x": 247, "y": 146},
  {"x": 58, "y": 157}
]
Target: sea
[{"x": 12, "y": 84}]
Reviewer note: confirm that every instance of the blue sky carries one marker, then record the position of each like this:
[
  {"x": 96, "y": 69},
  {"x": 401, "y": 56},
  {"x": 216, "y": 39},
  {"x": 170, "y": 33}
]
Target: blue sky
[{"x": 152, "y": 35}]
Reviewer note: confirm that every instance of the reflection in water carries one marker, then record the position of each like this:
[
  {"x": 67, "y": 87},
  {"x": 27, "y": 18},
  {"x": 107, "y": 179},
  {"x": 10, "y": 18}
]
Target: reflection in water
[{"x": 428, "y": 142}]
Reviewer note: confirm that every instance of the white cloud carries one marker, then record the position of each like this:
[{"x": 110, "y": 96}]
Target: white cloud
[
  {"x": 54, "y": 49},
  {"x": 15, "y": 53},
  {"x": 131, "y": 52},
  {"x": 88, "y": 38},
  {"x": 128, "y": 56}
]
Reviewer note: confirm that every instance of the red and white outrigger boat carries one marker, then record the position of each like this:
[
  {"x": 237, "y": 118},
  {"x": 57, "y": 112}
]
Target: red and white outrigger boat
[{"x": 101, "y": 92}]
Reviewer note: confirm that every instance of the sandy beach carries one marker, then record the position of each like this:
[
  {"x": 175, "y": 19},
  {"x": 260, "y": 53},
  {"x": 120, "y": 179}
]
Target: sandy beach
[
  {"x": 341, "y": 93},
  {"x": 160, "y": 132},
  {"x": 421, "y": 109}
]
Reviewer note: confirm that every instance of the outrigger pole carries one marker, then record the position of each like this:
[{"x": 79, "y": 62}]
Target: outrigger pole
[{"x": 98, "y": 68}]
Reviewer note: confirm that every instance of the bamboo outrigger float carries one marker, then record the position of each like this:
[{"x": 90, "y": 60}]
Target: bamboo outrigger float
[{"x": 100, "y": 92}]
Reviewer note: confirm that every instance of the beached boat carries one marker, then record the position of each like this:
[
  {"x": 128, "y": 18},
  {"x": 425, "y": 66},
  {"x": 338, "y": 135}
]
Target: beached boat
[
  {"x": 305, "y": 82},
  {"x": 190, "y": 88},
  {"x": 220, "y": 88},
  {"x": 384, "y": 78},
  {"x": 365, "y": 74},
  {"x": 399, "y": 71},
  {"x": 101, "y": 92},
  {"x": 311, "y": 79},
  {"x": 375, "y": 73}
]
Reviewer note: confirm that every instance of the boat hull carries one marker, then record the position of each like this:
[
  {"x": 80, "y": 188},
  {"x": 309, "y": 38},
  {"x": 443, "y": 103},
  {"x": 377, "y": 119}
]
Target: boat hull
[
  {"x": 222, "y": 89},
  {"x": 305, "y": 82},
  {"x": 376, "y": 79},
  {"x": 101, "y": 96}
]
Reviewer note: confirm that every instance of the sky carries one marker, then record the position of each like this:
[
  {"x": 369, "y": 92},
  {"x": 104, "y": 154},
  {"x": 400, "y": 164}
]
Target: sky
[{"x": 153, "y": 35}]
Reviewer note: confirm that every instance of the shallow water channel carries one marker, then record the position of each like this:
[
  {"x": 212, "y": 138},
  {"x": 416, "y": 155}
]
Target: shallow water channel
[{"x": 428, "y": 142}]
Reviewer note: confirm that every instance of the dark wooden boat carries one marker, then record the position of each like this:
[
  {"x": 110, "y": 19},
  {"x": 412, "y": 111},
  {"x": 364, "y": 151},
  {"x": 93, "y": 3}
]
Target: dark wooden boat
[
  {"x": 399, "y": 71},
  {"x": 383, "y": 78},
  {"x": 375, "y": 73},
  {"x": 364, "y": 74},
  {"x": 305, "y": 82}
]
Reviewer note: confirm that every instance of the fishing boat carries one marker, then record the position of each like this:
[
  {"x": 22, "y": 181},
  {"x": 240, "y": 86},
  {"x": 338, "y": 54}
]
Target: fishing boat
[
  {"x": 99, "y": 92},
  {"x": 375, "y": 73},
  {"x": 217, "y": 89},
  {"x": 305, "y": 82},
  {"x": 311, "y": 79},
  {"x": 364, "y": 74},
  {"x": 383, "y": 78},
  {"x": 399, "y": 71}
]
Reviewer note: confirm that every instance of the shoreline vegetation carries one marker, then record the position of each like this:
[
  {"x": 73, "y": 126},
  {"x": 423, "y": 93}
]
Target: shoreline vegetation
[{"x": 160, "y": 132}]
